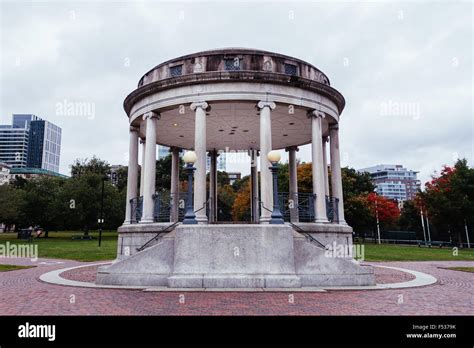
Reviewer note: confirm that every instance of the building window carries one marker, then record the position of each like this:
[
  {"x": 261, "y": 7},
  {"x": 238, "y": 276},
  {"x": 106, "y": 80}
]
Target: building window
[
  {"x": 176, "y": 70},
  {"x": 232, "y": 64},
  {"x": 290, "y": 69}
]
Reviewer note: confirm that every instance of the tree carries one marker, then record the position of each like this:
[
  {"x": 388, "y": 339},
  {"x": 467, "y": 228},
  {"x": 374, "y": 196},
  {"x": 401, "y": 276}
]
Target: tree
[
  {"x": 10, "y": 201},
  {"x": 41, "y": 202},
  {"x": 163, "y": 173},
  {"x": 305, "y": 178},
  {"x": 241, "y": 206},
  {"x": 448, "y": 200},
  {"x": 94, "y": 165},
  {"x": 410, "y": 219},
  {"x": 225, "y": 197},
  {"x": 385, "y": 209},
  {"x": 356, "y": 187}
]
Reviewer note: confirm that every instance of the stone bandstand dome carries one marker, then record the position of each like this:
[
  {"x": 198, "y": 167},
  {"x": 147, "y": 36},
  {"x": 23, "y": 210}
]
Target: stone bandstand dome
[
  {"x": 239, "y": 100},
  {"x": 232, "y": 81}
]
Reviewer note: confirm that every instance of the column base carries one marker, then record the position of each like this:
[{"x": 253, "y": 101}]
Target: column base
[{"x": 147, "y": 221}]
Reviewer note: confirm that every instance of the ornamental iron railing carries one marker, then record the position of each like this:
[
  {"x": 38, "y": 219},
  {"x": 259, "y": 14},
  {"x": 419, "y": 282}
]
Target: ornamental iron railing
[{"x": 332, "y": 211}]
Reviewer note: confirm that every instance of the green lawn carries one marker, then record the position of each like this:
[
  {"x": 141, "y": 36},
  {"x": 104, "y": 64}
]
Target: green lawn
[
  {"x": 6, "y": 268},
  {"x": 390, "y": 252},
  {"x": 60, "y": 245},
  {"x": 463, "y": 269}
]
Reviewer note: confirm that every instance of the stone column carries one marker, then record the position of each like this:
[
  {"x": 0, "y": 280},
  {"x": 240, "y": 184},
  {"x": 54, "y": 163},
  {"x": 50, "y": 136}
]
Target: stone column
[
  {"x": 336, "y": 177},
  {"x": 254, "y": 186},
  {"x": 266, "y": 179},
  {"x": 199, "y": 109},
  {"x": 132, "y": 175},
  {"x": 293, "y": 194},
  {"x": 317, "y": 165},
  {"x": 325, "y": 163},
  {"x": 213, "y": 186},
  {"x": 142, "y": 173},
  {"x": 151, "y": 119},
  {"x": 174, "y": 190}
]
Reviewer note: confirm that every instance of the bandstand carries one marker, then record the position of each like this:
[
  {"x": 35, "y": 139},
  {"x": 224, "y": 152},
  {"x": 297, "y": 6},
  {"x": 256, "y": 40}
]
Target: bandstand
[{"x": 244, "y": 100}]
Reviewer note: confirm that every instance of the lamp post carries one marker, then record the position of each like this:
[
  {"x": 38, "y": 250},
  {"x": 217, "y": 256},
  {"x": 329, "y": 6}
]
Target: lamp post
[
  {"x": 101, "y": 219},
  {"x": 190, "y": 158},
  {"x": 276, "y": 217}
]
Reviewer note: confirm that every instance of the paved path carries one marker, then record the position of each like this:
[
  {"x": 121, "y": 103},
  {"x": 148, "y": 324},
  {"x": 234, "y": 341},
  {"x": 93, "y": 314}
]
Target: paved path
[{"x": 24, "y": 294}]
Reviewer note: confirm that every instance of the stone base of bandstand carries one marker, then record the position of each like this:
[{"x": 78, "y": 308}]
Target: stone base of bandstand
[{"x": 233, "y": 256}]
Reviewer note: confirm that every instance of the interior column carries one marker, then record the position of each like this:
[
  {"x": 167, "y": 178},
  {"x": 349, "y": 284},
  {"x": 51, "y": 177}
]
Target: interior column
[
  {"x": 317, "y": 166},
  {"x": 266, "y": 179},
  {"x": 151, "y": 119},
  {"x": 199, "y": 109}
]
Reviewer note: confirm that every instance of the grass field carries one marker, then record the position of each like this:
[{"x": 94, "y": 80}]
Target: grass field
[
  {"x": 462, "y": 269},
  {"x": 390, "y": 252},
  {"x": 61, "y": 245},
  {"x": 6, "y": 268}
]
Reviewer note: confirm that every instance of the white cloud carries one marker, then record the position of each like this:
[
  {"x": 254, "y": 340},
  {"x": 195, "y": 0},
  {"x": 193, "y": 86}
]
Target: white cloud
[{"x": 402, "y": 52}]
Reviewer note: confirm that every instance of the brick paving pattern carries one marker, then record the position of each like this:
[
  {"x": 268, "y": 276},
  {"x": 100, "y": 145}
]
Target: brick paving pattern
[{"x": 24, "y": 294}]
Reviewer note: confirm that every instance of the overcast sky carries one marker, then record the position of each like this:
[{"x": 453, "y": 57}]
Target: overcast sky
[{"x": 405, "y": 68}]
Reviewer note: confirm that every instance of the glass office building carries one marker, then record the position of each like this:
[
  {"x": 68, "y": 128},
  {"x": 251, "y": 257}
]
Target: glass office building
[{"x": 30, "y": 142}]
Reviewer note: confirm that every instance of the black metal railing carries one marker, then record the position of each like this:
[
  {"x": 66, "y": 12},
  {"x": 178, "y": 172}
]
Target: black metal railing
[
  {"x": 303, "y": 203},
  {"x": 136, "y": 210},
  {"x": 162, "y": 209},
  {"x": 332, "y": 211}
]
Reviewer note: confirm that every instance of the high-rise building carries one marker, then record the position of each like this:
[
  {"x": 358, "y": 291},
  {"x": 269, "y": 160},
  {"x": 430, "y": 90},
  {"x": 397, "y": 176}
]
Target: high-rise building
[
  {"x": 221, "y": 162},
  {"x": 30, "y": 142},
  {"x": 394, "y": 181},
  {"x": 44, "y": 146},
  {"x": 14, "y": 146},
  {"x": 163, "y": 151}
]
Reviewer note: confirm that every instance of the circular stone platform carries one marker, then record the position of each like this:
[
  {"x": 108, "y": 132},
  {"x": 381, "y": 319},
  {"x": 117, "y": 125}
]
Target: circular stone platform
[{"x": 386, "y": 278}]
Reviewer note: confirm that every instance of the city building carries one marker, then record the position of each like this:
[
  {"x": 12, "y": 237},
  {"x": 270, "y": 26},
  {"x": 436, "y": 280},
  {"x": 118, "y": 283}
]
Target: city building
[
  {"x": 221, "y": 162},
  {"x": 234, "y": 176},
  {"x": 394, "y": 181},
  {"x": 14, "y": 146},
  {"x": 4, "y": 173},
  {"x": 163, "y": 151},
  {"x": 30, "y": 142},
  {"x": 114, "y": 173}
]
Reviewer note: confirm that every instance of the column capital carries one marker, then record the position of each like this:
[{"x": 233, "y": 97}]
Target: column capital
[
  {"x": 151, "y": 114},
  {"x": 133, "y": 129},
  {"x": 315, "y": 114},
  {"x": 261, "y": 104},
  {"x": 142, "y": 140},
  {"x": 292, "y": 148},
  {"x": 202, "y": 104}
]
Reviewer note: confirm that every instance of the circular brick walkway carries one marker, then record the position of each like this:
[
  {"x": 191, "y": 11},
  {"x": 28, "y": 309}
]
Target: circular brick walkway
[{"x": 24, "y": 294}]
